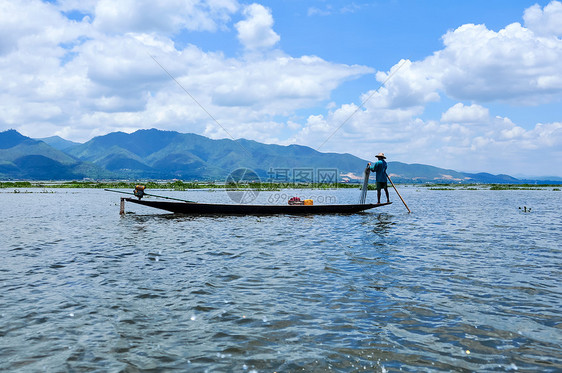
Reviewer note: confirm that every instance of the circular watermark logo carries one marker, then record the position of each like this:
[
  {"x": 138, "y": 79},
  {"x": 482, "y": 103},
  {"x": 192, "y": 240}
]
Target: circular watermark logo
[{"x": 238, "y": 185}]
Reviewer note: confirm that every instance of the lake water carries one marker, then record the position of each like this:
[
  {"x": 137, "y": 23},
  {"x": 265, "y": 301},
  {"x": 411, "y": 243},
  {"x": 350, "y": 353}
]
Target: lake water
[{"x": 467, "y": 282}]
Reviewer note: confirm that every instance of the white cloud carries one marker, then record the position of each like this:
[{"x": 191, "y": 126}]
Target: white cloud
[
  {"x": 460, "y": 113},
  {"x": 256, "y": 31},
  {"x": 280, "y": 83},
  {"x": 165, "y": 16},
  {"x": 313, "y": 11},
  {"x": 547, "y": 135},
  {"x": 512, "y": 133},
  {"x": 329, "y": 9},
  {"x": 408, "y": 84},
  {"x": 494, "y": 144},
  {"x": 32, "y": 24},
  {"x": 78, "y": 79},
  {"x": 513, "y": 65},
  {"x": 75, "y": 78},
  {"x": 547, "y": 21}
]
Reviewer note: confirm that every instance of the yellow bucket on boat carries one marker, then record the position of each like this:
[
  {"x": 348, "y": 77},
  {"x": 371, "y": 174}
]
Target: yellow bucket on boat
[{"x": 308, "y": 202}]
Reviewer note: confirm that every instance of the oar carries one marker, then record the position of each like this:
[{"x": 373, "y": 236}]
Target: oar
[
  {"x": 152, "y": 195},
  {"x": 398, "y": 193}
]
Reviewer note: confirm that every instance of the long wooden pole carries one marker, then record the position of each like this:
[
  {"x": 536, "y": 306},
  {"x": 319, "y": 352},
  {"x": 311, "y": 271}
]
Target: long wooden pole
[
  {"x": 398, "y": 193},
  {"x": 148, "y": 194}
]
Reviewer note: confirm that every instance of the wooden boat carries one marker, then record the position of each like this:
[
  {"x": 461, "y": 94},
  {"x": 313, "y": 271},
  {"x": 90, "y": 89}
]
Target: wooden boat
[{"x": 239, "y": 209}]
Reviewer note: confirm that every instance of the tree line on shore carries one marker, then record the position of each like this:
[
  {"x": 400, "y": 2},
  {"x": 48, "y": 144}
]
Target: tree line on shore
[{"x": 179, "y": 185}]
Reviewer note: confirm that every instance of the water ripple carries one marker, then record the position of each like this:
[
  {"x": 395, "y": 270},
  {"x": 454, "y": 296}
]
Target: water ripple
[{"x": 465, "y": 283}]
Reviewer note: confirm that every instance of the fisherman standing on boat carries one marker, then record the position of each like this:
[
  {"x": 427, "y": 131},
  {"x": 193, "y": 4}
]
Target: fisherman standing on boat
[{"x": 380, "y": 168}]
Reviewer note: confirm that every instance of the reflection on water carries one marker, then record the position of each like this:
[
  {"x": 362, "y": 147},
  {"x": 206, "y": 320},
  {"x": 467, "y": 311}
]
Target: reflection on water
[{"x": 466, "y": 282}]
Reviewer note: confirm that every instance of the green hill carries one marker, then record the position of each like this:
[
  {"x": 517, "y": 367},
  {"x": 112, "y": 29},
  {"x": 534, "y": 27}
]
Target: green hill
[
  {"x": 165, "y": 154},
  {"x": 156, "y": 154},
  {"x": 24, "y": 158},
  {"x": 59, "y": 143}
]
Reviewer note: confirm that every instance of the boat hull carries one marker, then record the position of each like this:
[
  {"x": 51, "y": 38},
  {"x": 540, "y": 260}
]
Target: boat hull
[{"x": 233, "y": 209}]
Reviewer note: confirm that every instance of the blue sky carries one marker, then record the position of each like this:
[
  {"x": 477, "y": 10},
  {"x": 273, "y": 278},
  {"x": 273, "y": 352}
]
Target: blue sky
[{"x": 474, "y": 85}]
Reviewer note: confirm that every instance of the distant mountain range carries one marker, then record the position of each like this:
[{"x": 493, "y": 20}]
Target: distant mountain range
[{"x": 156, "y": 154}]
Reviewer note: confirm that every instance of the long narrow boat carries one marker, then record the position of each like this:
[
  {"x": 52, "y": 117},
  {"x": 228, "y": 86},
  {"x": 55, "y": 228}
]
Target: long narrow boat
[{"x": 239, "y": 209}]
